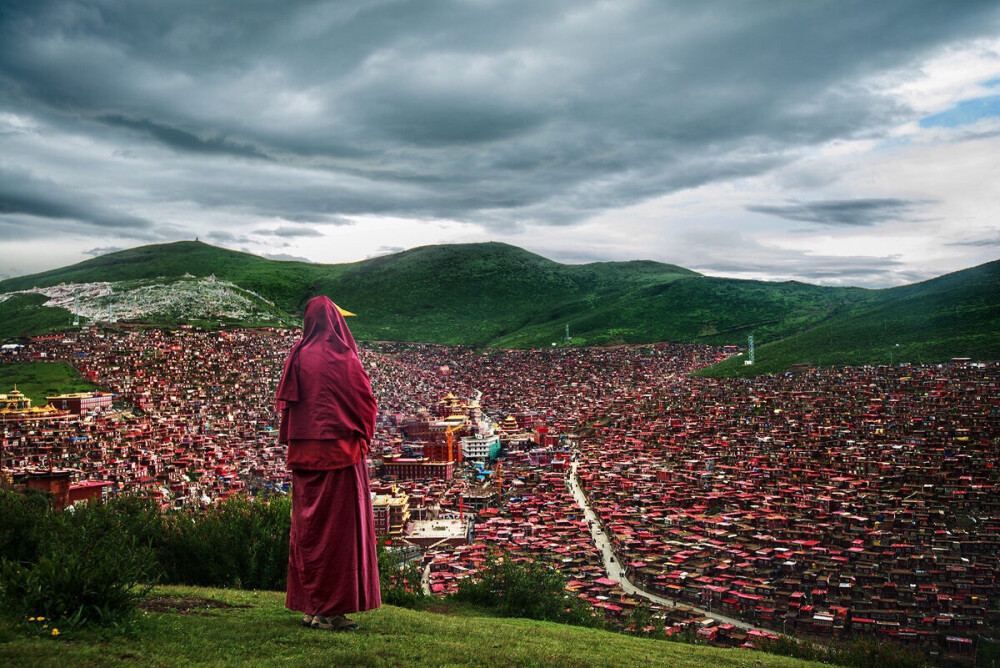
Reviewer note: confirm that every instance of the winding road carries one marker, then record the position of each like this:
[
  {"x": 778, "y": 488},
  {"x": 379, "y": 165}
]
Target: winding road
[{"x": 612, "y": 564}]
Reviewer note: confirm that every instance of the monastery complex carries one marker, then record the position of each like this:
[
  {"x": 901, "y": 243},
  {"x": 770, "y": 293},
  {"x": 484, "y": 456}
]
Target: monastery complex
[{"x": 829, "y": 503}]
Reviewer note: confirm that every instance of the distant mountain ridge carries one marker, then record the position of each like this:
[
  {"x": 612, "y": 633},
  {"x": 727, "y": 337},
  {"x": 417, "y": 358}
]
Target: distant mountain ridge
[{"x": 494, "y": 294}]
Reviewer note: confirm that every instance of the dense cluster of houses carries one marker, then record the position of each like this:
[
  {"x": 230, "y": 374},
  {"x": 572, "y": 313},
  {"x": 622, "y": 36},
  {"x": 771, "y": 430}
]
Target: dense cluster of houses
[
  {"x": 193, "y": 419},
  {"x": 861, "y": 500},
  {"x": 827, "y": 502}
]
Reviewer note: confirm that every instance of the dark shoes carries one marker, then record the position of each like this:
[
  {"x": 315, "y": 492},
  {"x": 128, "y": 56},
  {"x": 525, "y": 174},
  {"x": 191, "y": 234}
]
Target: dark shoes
[{"x": 338, "y": 623}]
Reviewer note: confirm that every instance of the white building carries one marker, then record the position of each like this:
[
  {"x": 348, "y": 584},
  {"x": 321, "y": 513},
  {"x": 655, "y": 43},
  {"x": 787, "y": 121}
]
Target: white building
[{"x": 481, "y": 447}]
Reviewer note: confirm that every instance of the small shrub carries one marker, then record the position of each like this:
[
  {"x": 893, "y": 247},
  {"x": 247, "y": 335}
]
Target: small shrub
[
  {"x": 640, "y": 619},
  {"x": 523, "y": 588},
  {"x": 872, "y": 653},
  {"x": 859, "y": 653},
  {"x": 788, "y": 646},
  {"x": 687, "y": 636},
  {"x": 235, "y": 543},
  {"x": 90, "y": 570},
  {"x": 23, "y": 518},
  {"x": 399, "y": 578}
]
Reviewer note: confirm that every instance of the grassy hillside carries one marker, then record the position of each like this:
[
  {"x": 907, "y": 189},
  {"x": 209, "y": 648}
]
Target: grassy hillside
[
  {"x": 489, "y": 294},
  {"x": 23, "y": 315},
  {"x": 956, "y": 315},
  {"x": 38, "y": 380},
  {"x": 183, "y": 626},
  {"x": 498, "y": 295},
  {"x": 690, "y": 308},
  {"x": 474, "y": 293},
  {"x": 284, "y": 283},
  {"x": 493, "y": 294}
]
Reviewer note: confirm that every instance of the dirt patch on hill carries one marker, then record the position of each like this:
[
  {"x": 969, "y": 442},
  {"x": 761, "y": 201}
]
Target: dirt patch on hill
[{"x": 185, "y": 604}]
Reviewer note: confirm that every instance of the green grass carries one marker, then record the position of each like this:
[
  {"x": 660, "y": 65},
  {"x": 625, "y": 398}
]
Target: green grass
[
  {"x": 265, "y": 634},
  {"x": 38, "y": 380},
  {"x": 498, "y": 295},
  {"x": 24, "y": 315},
  {"x": 956, "y": 315}
]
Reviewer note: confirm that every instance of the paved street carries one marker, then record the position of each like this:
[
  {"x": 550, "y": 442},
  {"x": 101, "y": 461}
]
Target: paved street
[{"x": 613, "y": 566}]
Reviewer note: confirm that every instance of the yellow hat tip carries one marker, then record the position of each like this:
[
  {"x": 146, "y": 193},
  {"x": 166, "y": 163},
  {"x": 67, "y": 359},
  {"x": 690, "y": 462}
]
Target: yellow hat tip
[{"x": 346, "y": 314}]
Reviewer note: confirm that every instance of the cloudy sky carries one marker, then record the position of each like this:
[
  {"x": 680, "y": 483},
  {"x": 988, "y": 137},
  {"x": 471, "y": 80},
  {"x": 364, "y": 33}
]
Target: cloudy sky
[{"x": 842, "y": 143}]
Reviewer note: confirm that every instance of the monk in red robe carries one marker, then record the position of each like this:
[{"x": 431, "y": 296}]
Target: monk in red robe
[{"x": 328, "y": 420}]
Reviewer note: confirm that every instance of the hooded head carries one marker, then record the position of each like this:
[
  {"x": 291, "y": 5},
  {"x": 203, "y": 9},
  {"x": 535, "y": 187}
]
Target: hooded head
[
  {"x": 323, "y": 321},
  {"x": 324, "y": 383}
]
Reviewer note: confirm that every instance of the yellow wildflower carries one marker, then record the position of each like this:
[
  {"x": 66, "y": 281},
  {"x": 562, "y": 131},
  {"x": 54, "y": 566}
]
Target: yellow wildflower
[
  {"x": 39, "y": 619},
  {"x": 31, "y": 619},
  {"x": 45, "y": 626},
  {"x": 55, "y": 632}
]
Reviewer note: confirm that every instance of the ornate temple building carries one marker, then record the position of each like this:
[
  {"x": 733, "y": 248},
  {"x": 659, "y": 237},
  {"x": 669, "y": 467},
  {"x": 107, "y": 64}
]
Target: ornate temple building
[
  {"x": 477, "y": 431},
  {"x": 15, "y": 407},
  {"x": 458, "y": 431}
]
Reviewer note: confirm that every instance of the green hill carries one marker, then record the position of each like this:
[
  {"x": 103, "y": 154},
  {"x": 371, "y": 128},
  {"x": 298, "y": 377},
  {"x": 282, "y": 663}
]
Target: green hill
[
  {"x": 499, "y": 295},
  {"x": 284, "y": 283},
  {"x": 493, "y": 294},
  {"x": 39, "y": 380},
  {"x": 956, "y": 315},
  {"x": 187, "y": 626},
  {"x": 26, "y": 314}
]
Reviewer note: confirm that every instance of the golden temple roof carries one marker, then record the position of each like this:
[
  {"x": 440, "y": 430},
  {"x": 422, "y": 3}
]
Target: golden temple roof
[{"x": 15, "y": 406}]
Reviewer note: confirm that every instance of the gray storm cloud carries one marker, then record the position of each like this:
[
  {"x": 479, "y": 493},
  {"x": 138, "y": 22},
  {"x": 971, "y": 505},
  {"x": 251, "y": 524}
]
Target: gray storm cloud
[
  {"x": 499, "y": 114},
  {"x": 854, "y": 212},
  {"x": 288, "y": 231},
  {"x": 22, "y": 194}
]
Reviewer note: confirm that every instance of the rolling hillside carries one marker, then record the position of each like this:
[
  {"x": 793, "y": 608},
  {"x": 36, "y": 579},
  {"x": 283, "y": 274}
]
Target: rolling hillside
[
  {"x": 956, "y": 315},
  {"x": 493, "y": 294},
  {"x": 497, "y": 295},
  {"x": 284, "y": 283}
]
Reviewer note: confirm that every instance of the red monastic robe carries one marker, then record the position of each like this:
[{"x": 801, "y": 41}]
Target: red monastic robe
[{"x": 328, "y": 420}]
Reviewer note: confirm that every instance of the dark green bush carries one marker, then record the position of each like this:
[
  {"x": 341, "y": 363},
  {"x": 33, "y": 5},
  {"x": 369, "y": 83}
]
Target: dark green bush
[
  {"x": 23, "y": 518},
  {"x": 399, "y": 578},
  {"x": 873, "y": 653},
  {"x": 523, "y": 588},
  {"x": 639, "y": 619},
  {"x": 858, "y": 653},
  {"x": 788, "y": 646},
  {"x": 91, "y": 569},
  {"x": 89, "y": 564},
  {"x": 235, "y": 543}
]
